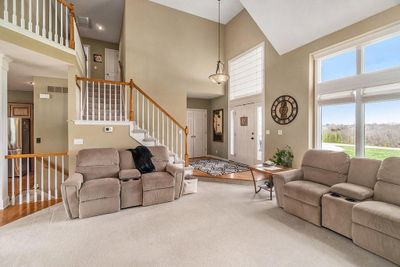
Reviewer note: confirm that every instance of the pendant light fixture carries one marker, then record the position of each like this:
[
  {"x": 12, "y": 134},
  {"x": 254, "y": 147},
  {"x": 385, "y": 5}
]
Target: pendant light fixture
[{"x": 219, "y": 77}]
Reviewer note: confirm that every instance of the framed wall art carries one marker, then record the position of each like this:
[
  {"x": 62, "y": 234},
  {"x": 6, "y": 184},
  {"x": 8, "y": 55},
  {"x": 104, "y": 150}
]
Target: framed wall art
[{"x": 218, "y": 125}]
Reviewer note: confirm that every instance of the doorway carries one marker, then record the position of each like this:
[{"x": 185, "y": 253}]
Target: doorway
[
  {"x": 197, "y": 137},
  {"x": 246, "y": 144},
  {"x": 112, "y": 70}
]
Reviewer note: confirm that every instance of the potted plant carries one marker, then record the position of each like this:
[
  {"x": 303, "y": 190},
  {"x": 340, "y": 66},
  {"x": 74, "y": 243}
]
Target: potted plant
[{"x": 283, "y": 157}]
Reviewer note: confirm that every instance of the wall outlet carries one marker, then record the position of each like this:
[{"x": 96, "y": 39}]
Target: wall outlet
[
  {"x": 280, "y": 132},
  {"x": 78, "y": 141},
  {"x": 267, "y": 132}
]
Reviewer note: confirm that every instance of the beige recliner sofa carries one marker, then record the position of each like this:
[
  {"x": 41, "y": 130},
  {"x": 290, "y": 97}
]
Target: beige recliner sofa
[
  {"x": 106, "y": 180},
  {"x": 364, "y": 206}
]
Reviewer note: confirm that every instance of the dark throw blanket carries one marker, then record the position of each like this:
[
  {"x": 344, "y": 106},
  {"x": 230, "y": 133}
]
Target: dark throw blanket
[{"x": 142, "y": 158}]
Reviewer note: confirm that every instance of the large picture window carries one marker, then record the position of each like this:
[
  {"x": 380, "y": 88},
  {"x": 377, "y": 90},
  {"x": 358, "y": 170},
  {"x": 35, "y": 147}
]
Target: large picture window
[{"x": 358, "y": 96}]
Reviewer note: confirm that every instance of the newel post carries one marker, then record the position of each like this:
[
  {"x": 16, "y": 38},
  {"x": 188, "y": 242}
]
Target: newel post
[
  {"x": 186, "y": 147},
  {"x": 131, "y": 113}
]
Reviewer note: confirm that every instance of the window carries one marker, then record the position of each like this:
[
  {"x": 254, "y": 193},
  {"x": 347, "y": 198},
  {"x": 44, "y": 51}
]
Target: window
[
  {"x": 247, "y": 73},
  {"x": 382, "y": 55},
  {"x": 339, "y": 66},
  {"x": 360, "y": 114}
]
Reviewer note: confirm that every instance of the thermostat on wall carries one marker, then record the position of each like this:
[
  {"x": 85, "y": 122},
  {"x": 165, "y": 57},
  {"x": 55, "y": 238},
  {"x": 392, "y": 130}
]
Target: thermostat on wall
[{"x": 108, "y": 129}]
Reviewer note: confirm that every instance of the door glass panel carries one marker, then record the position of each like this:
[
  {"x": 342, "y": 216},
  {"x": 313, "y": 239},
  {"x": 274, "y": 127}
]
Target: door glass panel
[
  {"x": 232, "y": 132},
  {"x": 339, "y": 66},
  {"x": 338, "y": 128},
  {"x": 382, "y": 129},
  {"x": 382, "y": 55},
  {"x": 259, "y": 145}
]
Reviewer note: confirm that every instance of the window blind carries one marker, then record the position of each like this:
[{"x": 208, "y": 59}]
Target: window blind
[{"x": 247, "y": 74}]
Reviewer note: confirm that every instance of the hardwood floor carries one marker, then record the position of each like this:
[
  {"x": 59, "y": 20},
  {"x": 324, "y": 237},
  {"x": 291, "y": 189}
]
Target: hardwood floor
[{"x": 13, "y": 213}]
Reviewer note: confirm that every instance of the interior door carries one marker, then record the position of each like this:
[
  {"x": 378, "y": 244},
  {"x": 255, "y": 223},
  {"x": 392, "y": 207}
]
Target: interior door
[
  {"x": 197, "y": 125},
  {"x": 245, "y": 134},
  {"x": 112, "y": 71}
]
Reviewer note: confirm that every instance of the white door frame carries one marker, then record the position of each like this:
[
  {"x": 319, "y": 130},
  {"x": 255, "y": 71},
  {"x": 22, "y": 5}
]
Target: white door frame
[
  {"x": 206, "y": 124},
  {"x": 88, "y": 60}
]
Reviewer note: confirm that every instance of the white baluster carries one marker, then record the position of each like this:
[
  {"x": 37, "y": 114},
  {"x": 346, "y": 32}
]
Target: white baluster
[
  {"x": 48, "y": 178},
  {"x": 27, "y": 181},
  {"x": 14, "y": 11},
  {"x": 137, "y": 108},
  {"x": 37, "y": 29},
  {"x": 142, "y": 111},
  {"x": 13, "y": 181},
  {"x": 50, "y": 22},
  {"x": 35, "y": 180},
  {"x": 177, "y": 139},
  {"x": 181, "y": 135},
  {"x": 22, "y": 14},
  {"x": 115, "y": 102},
  {"x": 110, "y": 102},
  {"x": 104, "y": 102},
  {"x": 148, "y": 116},
  {"x": 30, "y": 16},
  {"x": 126, "y": 102},
  {"x": 158, "y": 126},
  {"x": 55, "y": 21},
  {"x": 66, "y": 26},
  {"x": 81, "y": 100},
  {"x": 20, "y": 180},
  {"x": 92, "y": 101},
  {"x": 98, "y": 95},
  {"x": 62, "y": 169},
  {"x": 44, "y": 19},
  {"x": 87, "y": 100},
  {"x": 154, "y": 106},
  {"x": 6, "y": 10},
  {"x": 55, "y": 177},
  {"x": 167, "y": 128},
  {"x": 42, "y": 179},
  {"x": 62, "y": 24},
  {"x": 120, "y": 102},
  {"x": 163, "y": 128}
]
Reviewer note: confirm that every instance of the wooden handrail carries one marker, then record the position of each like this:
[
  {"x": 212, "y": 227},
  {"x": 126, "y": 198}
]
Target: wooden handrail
[
  {"x": 71, "y": 26},
  {"x": 101, "y": 81},
  {"x": 36, "y": 155}
]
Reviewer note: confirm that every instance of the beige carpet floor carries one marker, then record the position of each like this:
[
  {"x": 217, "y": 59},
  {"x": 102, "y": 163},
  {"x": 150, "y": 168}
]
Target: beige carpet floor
[{"x": 221, "y": 225}]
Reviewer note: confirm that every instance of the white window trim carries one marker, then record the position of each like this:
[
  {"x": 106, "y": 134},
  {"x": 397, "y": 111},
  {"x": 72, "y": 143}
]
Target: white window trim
[
  {"x": 258, "y": 99},
  {"x": 357, "y": 83}
]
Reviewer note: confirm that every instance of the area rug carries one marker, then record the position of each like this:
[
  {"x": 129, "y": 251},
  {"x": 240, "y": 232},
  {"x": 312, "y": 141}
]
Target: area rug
[{"x": 216, "y": 167}]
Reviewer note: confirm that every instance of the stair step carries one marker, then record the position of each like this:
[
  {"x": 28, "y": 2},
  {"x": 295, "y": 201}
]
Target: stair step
[
  {"x": 149, "y": 139},
  {"x": 139, "y": 131}
]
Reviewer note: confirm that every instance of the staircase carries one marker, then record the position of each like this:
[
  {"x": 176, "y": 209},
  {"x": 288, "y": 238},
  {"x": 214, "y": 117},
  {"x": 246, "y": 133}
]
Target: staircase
[{"x": 102, "y": 101}]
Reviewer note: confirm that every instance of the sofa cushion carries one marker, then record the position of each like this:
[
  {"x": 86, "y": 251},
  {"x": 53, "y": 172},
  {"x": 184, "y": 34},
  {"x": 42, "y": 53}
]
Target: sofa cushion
[
  {"x": 98, "y": 163},
  {"x": 325, "y": 167},
  {"x": 354, "y": 191},
  {"x": 389, "y": 171},
  {"x": 126, "y": 160},
  {"x": 99, "y": 189},
  {"x": 379, "y": 216},
  {"x": 129, "y": 174},
  {"x": 387, "y": 192},
  {"x": 306, "y": 192},
  {"x": 160, "y": 157},
  {"x": 363, "y": 171},
  {"x": 157, "y": 180}
]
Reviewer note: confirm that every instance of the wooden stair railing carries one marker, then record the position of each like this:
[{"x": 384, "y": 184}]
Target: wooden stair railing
[
  {"x": 104, "y": 100},
  {"x": 44, "y": 172}
]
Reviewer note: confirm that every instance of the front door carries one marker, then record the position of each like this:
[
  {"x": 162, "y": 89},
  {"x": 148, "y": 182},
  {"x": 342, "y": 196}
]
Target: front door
[
  {"x": 112, "y": 70},
  {"x": 245, "y": 127}
]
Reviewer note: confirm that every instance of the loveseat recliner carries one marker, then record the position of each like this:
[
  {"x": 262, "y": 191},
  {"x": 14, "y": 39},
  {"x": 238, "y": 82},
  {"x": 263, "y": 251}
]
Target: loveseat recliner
[
  {"x": 358, "y": 198},
  {"x": 106, "y": 180}
]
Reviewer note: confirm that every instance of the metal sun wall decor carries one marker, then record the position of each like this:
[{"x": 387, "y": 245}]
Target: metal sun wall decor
[{"x": 284, "y": 109}]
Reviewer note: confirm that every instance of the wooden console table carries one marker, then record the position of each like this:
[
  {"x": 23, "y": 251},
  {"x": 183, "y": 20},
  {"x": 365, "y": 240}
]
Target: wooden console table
[{"x": 267, "y": 184}]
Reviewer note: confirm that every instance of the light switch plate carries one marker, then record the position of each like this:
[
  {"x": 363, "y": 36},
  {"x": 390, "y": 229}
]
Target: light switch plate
[
  {"x": 108, "y": 129},
  {"x": 78, "y": 141},
  {"x": 44, "y": 96},
  {"x": 267, "y": 132},
  {"x": 280, "y": 132}
]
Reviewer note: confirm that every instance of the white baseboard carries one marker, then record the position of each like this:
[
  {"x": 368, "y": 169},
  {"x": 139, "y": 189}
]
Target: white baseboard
[{"x": 216, "y": 157}]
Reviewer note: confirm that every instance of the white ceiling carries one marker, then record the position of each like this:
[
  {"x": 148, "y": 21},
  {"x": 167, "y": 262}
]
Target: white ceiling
[
  {"x": 207, "y": 9},
  {"x": 107, "y": 13},
  {"x": 26, "y": 64},
  {"x": 289, "y": 24}
]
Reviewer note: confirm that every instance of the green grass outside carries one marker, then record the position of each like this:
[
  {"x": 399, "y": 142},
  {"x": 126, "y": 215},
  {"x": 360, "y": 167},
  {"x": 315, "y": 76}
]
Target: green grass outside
[{"x": 372, "y": 153}]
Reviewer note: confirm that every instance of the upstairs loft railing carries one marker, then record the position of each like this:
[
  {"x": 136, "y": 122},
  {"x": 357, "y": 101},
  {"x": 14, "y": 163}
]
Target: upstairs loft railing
[
  {"x": 118, "y": 102},
  {"x": 50, "y": 21},
  {"x": 35, "y": 177}
]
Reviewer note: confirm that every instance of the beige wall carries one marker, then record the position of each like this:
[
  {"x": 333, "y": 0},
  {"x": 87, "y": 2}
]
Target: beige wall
[
  {"x": 25, "y": 97},
  {"x": 292, "y": 74},
  {"x": 50, "y": 116},
  {"x": 168, "y": 52},
  {"x": 98, "y": 47}
]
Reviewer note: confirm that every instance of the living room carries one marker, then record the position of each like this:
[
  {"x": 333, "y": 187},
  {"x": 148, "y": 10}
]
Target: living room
[{"x": 312, "y": 88}]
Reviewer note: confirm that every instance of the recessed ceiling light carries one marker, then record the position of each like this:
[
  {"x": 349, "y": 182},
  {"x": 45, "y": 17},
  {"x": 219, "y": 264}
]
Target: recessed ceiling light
[{"x": 99, "y": 27}]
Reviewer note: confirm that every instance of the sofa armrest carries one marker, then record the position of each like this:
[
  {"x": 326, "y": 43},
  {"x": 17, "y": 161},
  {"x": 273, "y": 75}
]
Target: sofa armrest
[
  {"x": 281, "y": 178},
  {"x": 70, "y": 194},
  {"x": 128, "y": 174},
  {"x": 178, "y": 172}
]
